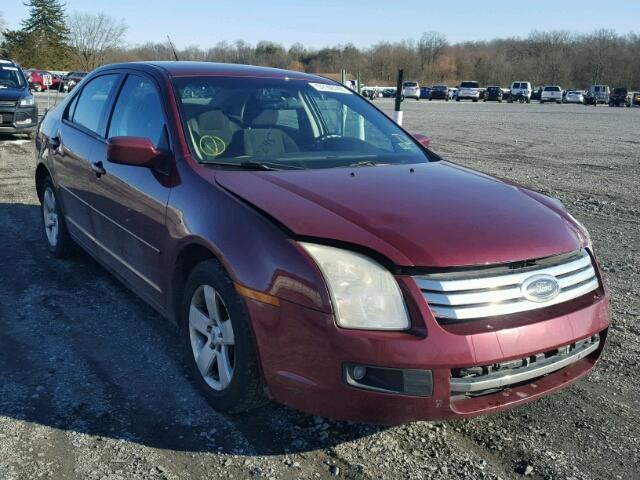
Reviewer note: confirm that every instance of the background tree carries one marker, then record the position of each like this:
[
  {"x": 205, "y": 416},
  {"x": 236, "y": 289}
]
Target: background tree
[
  {"x": 44, "y": 35},
  {"x": 2, "y": 27},
  {"x": 93, "y": 36},
  {"x": 430, "y": 47}
]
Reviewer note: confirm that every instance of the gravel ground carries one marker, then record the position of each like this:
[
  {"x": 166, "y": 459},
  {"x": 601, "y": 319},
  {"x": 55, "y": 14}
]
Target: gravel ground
[{"x": 93, "y": 386}]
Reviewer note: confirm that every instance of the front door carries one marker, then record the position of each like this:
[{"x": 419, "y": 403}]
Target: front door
[{"x": 130, "y": 202}]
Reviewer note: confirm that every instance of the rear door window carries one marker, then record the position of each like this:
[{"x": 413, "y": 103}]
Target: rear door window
[{"x": 93, "y": 102}]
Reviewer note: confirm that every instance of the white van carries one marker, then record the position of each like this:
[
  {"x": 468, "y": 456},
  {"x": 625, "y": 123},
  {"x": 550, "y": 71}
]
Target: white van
[{"x": 523, "y": 88}]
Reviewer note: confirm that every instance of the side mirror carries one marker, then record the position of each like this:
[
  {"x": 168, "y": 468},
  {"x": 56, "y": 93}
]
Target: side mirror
[
  {"x": 424, "y": 140},
  {"x": 135, "y": 151}
]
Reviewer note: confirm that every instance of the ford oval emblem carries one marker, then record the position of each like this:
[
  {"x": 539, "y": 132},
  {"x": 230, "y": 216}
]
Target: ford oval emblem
[{"x": 540, "y": 288}]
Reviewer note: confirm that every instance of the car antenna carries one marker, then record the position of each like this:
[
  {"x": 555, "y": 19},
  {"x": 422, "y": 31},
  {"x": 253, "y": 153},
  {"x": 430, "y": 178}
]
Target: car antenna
[{"x": 173, "y": 48}]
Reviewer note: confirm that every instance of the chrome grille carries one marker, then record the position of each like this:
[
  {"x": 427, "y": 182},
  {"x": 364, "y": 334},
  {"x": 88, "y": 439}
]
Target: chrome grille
[
  {"x": 466, "y": 295},
  {"x": 7, "y": 103}
]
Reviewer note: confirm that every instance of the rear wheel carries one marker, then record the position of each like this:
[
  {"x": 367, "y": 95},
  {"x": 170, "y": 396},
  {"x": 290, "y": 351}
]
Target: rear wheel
[
  {"x": 54, "y": 228},
  {"x": 218, "y": 341}
]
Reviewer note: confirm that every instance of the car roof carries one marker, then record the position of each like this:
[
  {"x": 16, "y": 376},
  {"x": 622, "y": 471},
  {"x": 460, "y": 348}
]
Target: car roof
[{"x": 189, "y": 68}]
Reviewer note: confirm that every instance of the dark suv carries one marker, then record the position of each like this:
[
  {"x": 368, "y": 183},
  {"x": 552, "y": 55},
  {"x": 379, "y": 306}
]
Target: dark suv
[
  {"x": 18, "y": 109},
  {"x": 618, "y": 97}
]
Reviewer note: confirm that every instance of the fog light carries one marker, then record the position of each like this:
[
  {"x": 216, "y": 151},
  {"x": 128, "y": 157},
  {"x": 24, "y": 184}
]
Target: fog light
[
  {"x": 389, "y": 380},
  {"x": 24, "y": 122},
  {"x": 359, "y": 372}
]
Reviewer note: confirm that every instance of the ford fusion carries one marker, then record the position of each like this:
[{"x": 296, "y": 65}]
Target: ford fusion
[{"x": 314, "y": 253}]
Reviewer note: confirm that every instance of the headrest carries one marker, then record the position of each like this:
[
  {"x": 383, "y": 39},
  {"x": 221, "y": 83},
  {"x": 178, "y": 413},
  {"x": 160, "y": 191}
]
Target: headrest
[
  {"x": 213, "y": 120},
  {"x": 266, "y": 117}
]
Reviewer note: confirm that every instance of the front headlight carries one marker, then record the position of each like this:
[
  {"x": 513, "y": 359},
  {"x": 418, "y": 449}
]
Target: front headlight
[
  {"x": 27, "y": 101},
  {"x": 364, "y": 294}
]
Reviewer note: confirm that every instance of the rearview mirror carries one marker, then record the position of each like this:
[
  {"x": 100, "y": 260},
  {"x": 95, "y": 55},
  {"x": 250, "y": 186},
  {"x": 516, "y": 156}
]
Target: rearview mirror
[
  {"x": 424, "y": 140},
  {"x": 135, "y": 151}
]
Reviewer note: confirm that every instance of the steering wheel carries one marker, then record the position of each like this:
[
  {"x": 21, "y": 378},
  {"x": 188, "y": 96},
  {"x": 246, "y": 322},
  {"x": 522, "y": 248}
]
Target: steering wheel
[{"x": 317, "y": 143}]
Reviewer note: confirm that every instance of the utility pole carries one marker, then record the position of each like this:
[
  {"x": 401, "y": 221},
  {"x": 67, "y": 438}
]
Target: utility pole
[{"x": 397, "y": 113}]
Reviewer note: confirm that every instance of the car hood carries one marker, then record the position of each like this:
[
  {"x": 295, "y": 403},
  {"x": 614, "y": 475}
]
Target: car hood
[
  {"x": 11, "y": 94},
  {"x": 434, "y": 214}
]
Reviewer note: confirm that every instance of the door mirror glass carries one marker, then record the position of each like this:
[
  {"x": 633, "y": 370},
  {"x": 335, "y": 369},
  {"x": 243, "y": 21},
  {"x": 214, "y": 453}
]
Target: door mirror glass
[{"x": 135, "y": 151}]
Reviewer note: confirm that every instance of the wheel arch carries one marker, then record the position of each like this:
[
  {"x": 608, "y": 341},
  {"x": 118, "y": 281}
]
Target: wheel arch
[
  {"x": 190, "y": 255},
  {"x": 42, "y": 172}
]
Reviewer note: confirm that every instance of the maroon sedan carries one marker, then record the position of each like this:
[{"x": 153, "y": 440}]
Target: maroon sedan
[{"x": 312, "y": 251}]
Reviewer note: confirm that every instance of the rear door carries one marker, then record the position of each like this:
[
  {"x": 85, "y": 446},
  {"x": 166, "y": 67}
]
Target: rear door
[
  {"x": 81, "y": 130},
  {"x": 130, "y": 202}
]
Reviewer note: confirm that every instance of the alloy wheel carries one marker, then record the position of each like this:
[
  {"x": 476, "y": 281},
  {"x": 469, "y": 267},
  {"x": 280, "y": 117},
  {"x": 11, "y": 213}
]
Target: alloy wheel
[
  {"x": 50, "y": 214},
  {"x": 212, "y": 337}
]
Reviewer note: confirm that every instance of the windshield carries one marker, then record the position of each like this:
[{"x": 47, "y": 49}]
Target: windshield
[
  {"x": 469, "y": 85},
  {"x": 410, "y": 84},
  {"x": 284, "y": 123},
  {"x": 551, "y": 89},
  {"x": 439, "y": 87},
  {"x": 11, "y": 77}
]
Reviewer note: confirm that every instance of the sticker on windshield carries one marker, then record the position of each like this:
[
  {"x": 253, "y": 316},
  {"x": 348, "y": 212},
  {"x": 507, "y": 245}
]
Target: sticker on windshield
[{"x": 326, "y": 87}]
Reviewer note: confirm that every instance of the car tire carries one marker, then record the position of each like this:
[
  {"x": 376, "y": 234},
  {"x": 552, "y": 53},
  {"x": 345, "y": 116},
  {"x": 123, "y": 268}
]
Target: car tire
[
  {"x": 224, "y": 337},
  {"x": 37, "y": 87},
  {"x": 54, "y": 227},
  {"x": 457, "y": 99},
  {"x": 475, "y": 100}
]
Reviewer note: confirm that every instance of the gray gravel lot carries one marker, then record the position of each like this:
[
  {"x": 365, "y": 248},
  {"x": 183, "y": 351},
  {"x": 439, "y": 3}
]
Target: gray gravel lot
[{"x": 93, "y": 386}]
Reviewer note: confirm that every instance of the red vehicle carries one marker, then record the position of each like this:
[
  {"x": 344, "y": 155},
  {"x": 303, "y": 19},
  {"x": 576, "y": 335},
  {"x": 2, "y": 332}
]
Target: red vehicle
[
  {"x": 312, "y": 251},
  {"x": 36, "y": 81}
]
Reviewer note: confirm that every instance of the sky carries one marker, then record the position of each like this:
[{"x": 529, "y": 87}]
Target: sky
[{"x": 318, "y": 23}]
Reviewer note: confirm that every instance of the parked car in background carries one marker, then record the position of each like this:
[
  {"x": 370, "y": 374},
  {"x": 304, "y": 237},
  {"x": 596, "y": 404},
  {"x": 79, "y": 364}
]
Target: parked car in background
[
  {"x": 37, "y": 81},
  {"x": 618, "y": 97},
  {"x": 597, "y": 94},
  {"x": 536, "y": 93},
  {"x": 493, "y": 94},
  {"x": 551, "y": 93},
  {"x": 506, "y": 94},
  {"x": 411, "y": 90},
  {"x": 521, "y": 89},
  {"x": 573, "y": 96},
  {"x": 469, "y": 90},
  {"x": 633, "y": 98},
  {"x": 425, "y": 92},
  {"x": 72, "y": 79},
  {"x": 453, "y": 93},
  {"x": 333, "y": 264},
  {"x": 18, "y": 108},
  {"x": 389, "y": 92},
  {"x": 481, "y": 92},
  {"x": 439, "y": 92}
]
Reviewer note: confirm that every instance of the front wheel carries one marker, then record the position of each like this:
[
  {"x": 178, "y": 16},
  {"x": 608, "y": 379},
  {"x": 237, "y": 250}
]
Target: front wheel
[{"x": 218, "y": 341}]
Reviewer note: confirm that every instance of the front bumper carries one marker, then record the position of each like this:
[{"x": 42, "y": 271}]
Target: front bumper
[
  {"x": 304, "y": 355},
  {"x": 19, "y": 120}
]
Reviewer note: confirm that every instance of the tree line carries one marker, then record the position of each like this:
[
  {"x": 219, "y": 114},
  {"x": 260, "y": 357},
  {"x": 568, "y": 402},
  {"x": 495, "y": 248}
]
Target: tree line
[{"x": 51, "y": 39}]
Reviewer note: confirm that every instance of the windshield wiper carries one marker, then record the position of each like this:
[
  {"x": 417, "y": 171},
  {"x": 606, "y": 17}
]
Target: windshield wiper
[
  {"x": 368, "y": 163},
  {"x": 255, "y": 165}
]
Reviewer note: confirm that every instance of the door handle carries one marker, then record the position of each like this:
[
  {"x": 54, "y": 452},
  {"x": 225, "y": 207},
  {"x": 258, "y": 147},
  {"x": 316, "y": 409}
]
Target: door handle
[{"x": 98, "y": 169}]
